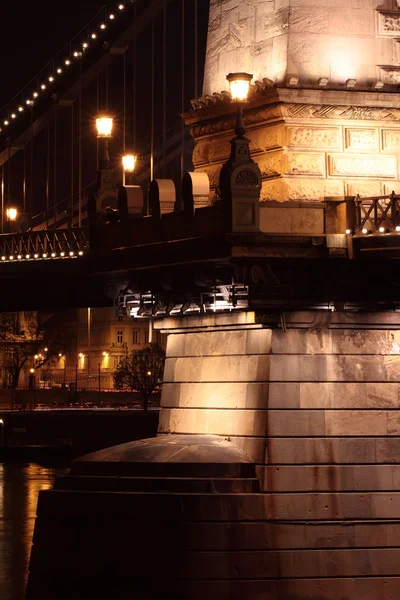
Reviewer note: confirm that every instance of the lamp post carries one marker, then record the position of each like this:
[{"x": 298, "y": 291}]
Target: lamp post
[
  {"x": 104, "y": 125},
  {"x": 11, "y": 218},
  {"x": 239, "y": 84},
  {"x": 128, "y": 166},
  {"x": 240, "y": 178}
]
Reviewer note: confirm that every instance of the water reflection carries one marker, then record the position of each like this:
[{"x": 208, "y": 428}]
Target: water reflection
[{"x": 19, "y": 488}]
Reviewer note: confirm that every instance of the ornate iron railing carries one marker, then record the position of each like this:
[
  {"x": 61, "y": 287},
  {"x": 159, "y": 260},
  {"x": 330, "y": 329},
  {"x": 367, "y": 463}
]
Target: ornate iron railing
[
  {"x": 44, "y": 244},
  {"x": 377, "y": 214}
]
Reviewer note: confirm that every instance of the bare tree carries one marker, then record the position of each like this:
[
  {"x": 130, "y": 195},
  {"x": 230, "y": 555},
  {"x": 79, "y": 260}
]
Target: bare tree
[
  {"x": 24, "y": 337},
  {"x": 142, "y": 370}
]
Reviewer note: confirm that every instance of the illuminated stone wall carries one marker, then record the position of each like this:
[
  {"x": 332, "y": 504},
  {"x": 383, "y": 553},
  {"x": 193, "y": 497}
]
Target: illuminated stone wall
[
  {"x": 308, "y": 39},
  {"x": 317, "y": 408},
  {"x": 309, "y": 144}
]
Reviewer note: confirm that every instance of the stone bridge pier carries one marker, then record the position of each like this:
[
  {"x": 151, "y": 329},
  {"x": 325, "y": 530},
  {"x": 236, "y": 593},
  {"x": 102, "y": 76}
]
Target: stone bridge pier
[{"x": 316, "y": 407}]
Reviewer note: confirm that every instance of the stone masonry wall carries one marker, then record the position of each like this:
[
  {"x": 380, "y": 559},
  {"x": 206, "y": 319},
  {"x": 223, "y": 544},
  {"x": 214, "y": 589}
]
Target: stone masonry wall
[
  {"x": 309, "y": 39},
  {"x": 318, "y": 409},
  {"x": 316, "y": 145}
]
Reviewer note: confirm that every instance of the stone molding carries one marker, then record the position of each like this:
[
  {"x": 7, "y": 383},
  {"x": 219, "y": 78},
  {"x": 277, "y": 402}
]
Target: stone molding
[{"x": 388, "y": 23}]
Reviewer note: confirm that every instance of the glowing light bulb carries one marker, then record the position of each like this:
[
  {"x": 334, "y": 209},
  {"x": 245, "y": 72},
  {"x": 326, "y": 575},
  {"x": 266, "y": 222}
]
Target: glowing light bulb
[
  {"x": 103, "y": 26},
  {"x": 28, "y": 256},
  {"x": 398, "y": 228},
  {"x": 67, "y": 61},
  {"x": 85, "y": 45},
  {"x": 13, "y": 116},
  {"x": 29, "y": 102},
  {"x": 20, "y": 108},
  {"x": 121, "y": 7},
  {"x": 3, "y": 258},
  {"x": 348, "y": 231},
  {"x": 381, "y": 230},
  {"x": 6, "y": 122},
  {"x": 35, "y": 94},
  {"x": 94, "y": 36},
  {"x": 76, "y": 54},
  {"x": 53, "y": 254},
  {"x": 111, "y": 17},
  {"x": 43, "y": 86},
  {"x": 44, "y": 255},
  {"x": 71, "y": 253},
  {"x": 365, "y": 230},
  {"x": 36, "y": 255},
  {"x": 59, "y": 70},
  {"x": 19, "y": 257},
  {"x": 80, "y": 253},
  {"x": 11, "y": 258},
  {"x": 51, "y": 78},
  {"x": 62, "y": 254}
]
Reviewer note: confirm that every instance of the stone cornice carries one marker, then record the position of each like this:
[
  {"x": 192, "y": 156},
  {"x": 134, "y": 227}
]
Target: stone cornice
[{"x": 283, "y": 104}]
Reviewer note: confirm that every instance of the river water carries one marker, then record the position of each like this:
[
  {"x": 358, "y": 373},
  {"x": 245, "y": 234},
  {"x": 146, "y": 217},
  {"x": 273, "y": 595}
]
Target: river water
[{"x": 20, "y": 485}]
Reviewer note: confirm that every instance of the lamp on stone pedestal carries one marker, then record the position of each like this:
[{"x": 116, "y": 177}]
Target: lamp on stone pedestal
[
  {"x": 240, "y": 177},
  {"x": 104, "y": 125},
  {"x": 239, "y": 84}
]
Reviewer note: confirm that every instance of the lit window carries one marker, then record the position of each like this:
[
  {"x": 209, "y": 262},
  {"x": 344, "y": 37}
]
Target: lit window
[
  {"x": 120, "y": 337},
  {"x": 136, "y": 336}
]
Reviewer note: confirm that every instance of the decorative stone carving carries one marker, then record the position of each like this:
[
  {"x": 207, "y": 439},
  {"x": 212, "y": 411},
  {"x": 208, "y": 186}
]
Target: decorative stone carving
[
  {"x": 362, "y": 139},
  {"x": 391, "y": 140},
  {"x": 362, "y": 166},
  {"x": 329, "y": 111},
  {"x": 390, "y": 75},
  {"x": 313, "y": 137},
  {"x": 389, "y": 23}
]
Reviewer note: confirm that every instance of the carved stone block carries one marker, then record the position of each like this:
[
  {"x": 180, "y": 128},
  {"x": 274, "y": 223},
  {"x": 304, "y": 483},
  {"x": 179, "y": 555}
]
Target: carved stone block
[
  {"x": 362, "y": 166},
  {"x": 362, "y": 188},
  {"x": 270, "y": 164},
  {"x": 390, "y": 75},
  {"x": 362, "y": 139},
  {"x": 305, "y": 164},
  {"x": 391, "y": 140},
  {"x": 314, "y": 137},
  {"x": 389, "y": 23}
]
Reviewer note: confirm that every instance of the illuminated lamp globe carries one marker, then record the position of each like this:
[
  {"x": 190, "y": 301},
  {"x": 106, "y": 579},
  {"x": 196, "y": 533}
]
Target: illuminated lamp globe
[
  {"x": 129, "y": 162},
  {"x": 239, "y": 84},
  {"x": 104, "y": 126},
  {"x": 12, "y": 214}
]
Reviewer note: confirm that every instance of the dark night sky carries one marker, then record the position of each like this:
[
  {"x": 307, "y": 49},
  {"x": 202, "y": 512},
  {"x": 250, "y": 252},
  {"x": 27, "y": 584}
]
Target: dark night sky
[{"x": 31, "y": 32}]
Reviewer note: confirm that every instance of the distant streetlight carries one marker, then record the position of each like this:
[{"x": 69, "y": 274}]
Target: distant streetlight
[
  {"x": 104, "y": 125},
  {"x": 12, "y": 214},
  {"x": 128, "y": 164},
  {"x": 239, "y": 84}
]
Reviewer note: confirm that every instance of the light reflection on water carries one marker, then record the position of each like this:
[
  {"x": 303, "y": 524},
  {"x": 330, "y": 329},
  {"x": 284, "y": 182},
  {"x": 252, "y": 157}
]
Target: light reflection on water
[{"x": 20, "y": 485}]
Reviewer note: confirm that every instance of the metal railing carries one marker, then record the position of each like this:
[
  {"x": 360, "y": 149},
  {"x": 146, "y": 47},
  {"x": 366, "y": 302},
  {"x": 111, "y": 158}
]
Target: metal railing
[
  {"x": 44, "y": 244},
  {"x": 377, "y": 214}
]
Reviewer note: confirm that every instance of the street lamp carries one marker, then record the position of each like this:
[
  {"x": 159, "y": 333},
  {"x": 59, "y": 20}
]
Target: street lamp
[
  {"x": 128, "y": 164},
  {"x": 12, "y": 214},
  {"x": 104, "y": 125},
  {"x": 239, "y": 84}
]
